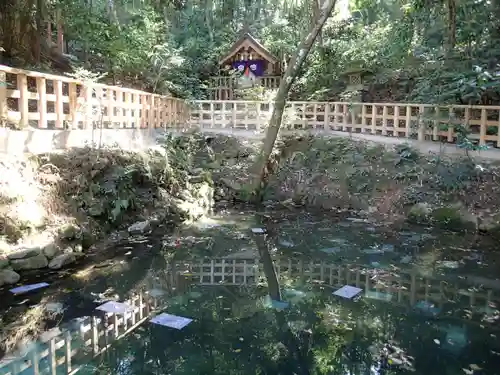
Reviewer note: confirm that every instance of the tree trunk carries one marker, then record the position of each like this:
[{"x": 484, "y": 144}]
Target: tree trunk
[
  {"x": 452, "y": 25},
  {"x": 316, "y": 7},
  {"x": 291, "y": 73},
  {"x": 39, "y": 22}
]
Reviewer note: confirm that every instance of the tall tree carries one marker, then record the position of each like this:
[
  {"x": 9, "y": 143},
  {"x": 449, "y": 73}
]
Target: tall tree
[{"x": 291, "y": 73}]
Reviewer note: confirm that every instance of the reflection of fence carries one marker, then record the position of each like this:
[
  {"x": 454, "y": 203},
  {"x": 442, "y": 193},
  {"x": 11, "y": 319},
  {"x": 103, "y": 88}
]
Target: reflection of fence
[
  {"x": 92, "y": 337},
  {"x": 55, "y": 102},
  {"x": 402, "y": 286}
]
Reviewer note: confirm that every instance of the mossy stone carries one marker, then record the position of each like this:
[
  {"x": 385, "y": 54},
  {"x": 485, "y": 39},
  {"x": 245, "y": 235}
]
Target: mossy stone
[
  {"x": 420, "y": 213},
  {"x": 454, "y": 217}
]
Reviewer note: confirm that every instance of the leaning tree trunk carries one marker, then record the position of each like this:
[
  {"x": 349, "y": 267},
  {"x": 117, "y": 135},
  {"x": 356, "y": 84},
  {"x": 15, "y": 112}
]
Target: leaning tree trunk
[
  {"x": 291, "y": 73},
  {"x": 452, "y": 25}
]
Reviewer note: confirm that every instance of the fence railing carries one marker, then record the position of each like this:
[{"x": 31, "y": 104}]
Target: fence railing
[
  {"x": 419, "y": 121},
  {"x": 44, "y": 101}
]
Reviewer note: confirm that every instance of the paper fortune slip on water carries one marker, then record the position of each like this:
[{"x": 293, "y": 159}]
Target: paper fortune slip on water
[
  {"x": 172, "y": 321},
  {"x": 348, "y": 292},
  {"x": 28, "y": 288},
  {"x": 258, "y": 230},
  {"x": 115, "y": 307}
]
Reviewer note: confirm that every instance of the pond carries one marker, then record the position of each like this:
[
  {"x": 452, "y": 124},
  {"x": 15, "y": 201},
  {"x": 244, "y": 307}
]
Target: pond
[{"x": 428, "y": 302}]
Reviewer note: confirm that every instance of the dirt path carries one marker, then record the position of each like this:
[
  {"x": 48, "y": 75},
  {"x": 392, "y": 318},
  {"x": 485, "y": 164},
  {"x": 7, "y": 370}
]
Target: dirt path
[{"x": 425, "y": 147}]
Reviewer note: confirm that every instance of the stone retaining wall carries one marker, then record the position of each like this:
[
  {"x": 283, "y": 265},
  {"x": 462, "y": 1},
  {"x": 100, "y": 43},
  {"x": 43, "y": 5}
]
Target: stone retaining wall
[
  {"x": 57, "y": 251},
  {"x": 53, "y": 252}
]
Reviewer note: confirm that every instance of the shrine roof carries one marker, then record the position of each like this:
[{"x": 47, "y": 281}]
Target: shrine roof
[{"x": 249, "y": 41}]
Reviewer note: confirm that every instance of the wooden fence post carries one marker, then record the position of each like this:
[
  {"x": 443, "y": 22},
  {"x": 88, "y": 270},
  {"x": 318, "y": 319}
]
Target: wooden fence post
[
  {"x": 374, "y": 119},
  {"x": 58, "y": 106},
  {"x": 110, "y": 95},
  {"x": 22, "y": 86},
  {"x": 396, "y": 121},
  {"x": 483, "y": 127},
  {"x": 408, "y": 121},
  {"x": 41, "y": 87},
  {"x": 3, "y": 98},
  {"x": 326, "y": 126},
  {"x": 421, "y": 123},
  {"x": 73, "y": 104}
]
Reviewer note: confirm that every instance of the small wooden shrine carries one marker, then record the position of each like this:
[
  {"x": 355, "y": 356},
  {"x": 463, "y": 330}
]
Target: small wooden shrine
[{"x": 247, "y": 64}]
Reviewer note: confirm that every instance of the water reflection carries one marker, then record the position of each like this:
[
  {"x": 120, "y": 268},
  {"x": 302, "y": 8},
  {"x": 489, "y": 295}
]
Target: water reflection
[
  {"x": 406, "y": 321},
  {"x": 428, "y": 305}
]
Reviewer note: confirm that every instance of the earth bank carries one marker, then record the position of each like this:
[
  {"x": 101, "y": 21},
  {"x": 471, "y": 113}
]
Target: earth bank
[
  {"x": 390, "y": 184},
  {"x": 55, "y": 208}
]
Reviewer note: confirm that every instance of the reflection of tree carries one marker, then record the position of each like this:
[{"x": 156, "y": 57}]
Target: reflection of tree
[{"x": 299, "y": 350}]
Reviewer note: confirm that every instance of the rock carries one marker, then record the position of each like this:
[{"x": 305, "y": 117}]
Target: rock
[
  {"x": 87, "y": 239},
  {"x": 419, "y": 213},
  {"x": 205, "y": 195},
  {"x": 25, "y": 253},
  {"x": 5, "y": 248},
  {"x": 197, "y": 171},
  {"x": 62, "y": 260},
  {"x": 230, "y": 183},
  {"x": 54, "y": 307},
  {"x": 213, "y": 165},
  {"x": 451, "y": 216},
  {"x": 187, "y": 196},
  {"x": 490, "y": 225},
  {"x": 51, "y": 250},
  {"x": 196, "y": 179},
  {"x": 69, "y": 232},
  {"x": 32, "y": 263},
  {"x": 96, "y": 210},
  {"x": 46, "y": 336},
  {"x": 4, "y": 262},
  {"x": 78, "y": 248},
  {"x": 140, "y": 227},
  {"x": 8, "y": 277},
  {"x": 454, "y": 217},
  {"x": 231, "y": 162}
]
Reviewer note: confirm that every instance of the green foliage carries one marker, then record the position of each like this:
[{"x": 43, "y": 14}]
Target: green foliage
[{"x": 405, "y": 48}]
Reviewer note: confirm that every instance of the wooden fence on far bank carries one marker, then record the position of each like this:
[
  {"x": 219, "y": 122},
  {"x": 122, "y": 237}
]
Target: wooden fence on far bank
[{"x": 44, "y": 101}]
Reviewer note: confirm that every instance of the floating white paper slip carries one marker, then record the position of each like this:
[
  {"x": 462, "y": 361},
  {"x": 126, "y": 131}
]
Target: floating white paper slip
[
  {"x": 172, "y": 321},
  {"x": 115, "y": 307},
  {"x": 258, "y": 230},
  {"x": 28, "y": 288},
  {"x": 347, "y": 291}
]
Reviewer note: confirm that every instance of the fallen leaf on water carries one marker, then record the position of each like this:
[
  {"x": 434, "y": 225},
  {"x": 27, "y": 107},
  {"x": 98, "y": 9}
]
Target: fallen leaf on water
[
  {"x": 437, "y": 341},
  {"x": 237, "y": 350},
  {"x": 475, "y": 367}
]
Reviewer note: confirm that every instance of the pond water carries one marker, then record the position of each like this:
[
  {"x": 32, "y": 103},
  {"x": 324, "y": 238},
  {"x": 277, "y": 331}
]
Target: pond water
[{"x": 428, "y": 305}]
